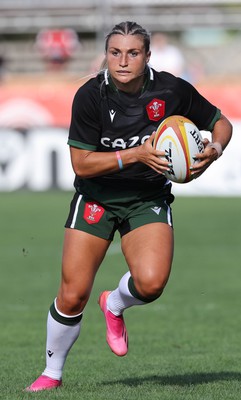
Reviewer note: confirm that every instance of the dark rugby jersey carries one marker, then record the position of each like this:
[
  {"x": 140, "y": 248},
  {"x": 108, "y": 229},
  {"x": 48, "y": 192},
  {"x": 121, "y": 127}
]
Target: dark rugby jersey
[{"x": 105, "y": 119}]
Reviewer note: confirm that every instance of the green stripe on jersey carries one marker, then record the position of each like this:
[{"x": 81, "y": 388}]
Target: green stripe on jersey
[{"x": 81, "y": 145}]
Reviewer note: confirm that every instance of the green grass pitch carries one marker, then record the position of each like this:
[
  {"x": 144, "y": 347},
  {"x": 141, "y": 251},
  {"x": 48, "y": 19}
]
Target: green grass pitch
[{"x": 186, "y": 345}]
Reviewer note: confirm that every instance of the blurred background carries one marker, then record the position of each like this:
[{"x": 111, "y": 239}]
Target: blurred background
[{"x": 50, "y": 48}]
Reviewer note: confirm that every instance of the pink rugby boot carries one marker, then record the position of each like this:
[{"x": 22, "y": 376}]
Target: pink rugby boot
[
  {"x": 116, "y": 334},
  {"x": 43, "y": 382}
]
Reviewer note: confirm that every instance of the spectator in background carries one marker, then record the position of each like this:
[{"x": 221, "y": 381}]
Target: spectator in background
[
  {"x": 165, "y": 56},
  {"x": 57, "y": 46}
]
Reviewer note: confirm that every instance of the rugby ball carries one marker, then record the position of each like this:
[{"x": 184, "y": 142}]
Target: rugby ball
[{"x": 181, "y": 140}]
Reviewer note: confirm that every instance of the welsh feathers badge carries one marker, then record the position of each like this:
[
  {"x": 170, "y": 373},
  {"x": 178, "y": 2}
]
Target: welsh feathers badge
[
  {"x": 155, "y": 109},
  {"x": 93, "y": 213}
]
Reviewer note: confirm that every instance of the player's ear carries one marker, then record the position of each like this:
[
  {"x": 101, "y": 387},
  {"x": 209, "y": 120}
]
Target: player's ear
[{"x": 148, "y": 56}]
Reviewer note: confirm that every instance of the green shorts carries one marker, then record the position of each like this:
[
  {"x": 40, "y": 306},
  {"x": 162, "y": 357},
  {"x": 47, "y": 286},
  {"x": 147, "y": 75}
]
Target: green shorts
[{"x": 93, "y": 218}]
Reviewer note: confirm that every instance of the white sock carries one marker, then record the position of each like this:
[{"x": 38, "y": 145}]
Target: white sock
[
  {"x": 121, "y": 298},
  {"x": 60, "y": 339}
]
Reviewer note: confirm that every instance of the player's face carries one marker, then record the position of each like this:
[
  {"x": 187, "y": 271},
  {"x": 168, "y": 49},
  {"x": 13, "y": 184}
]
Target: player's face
[{"x": 126, "y": 59}]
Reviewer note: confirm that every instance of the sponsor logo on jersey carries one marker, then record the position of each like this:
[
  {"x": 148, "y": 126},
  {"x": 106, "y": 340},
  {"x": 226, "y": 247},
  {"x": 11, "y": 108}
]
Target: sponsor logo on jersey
[
  {"x": 93, "y": 213},
  {"x": 120, "y": 143},
  {"x": 156, "y": 109}
]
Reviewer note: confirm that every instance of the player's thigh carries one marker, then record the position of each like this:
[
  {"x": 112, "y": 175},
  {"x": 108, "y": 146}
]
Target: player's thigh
[
  {"x": 82, "y": 256},
  {"x": 149, "y": 252}
]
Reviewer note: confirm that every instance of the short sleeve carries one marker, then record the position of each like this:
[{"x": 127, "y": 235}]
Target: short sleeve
[{"x": 85, "y": 127}]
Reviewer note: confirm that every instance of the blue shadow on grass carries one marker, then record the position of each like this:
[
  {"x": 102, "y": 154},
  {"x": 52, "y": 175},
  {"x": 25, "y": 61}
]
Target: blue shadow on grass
[{"x": 179, "y": 380}]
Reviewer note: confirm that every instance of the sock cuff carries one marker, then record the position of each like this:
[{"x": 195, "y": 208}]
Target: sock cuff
[
  {"x": 64, "y": 319},
  {"x": 137, "y": 295}
]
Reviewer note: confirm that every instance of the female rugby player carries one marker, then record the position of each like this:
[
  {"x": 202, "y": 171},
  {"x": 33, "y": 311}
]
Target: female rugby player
[{"x": 120, "y": 186}]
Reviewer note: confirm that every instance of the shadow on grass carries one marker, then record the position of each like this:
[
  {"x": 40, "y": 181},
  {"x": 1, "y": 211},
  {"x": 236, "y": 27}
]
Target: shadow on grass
[{"x": 179, "y": 380}]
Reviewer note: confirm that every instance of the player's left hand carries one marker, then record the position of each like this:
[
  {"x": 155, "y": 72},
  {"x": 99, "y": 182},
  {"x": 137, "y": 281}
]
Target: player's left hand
[{"x": 203, "y": 160}]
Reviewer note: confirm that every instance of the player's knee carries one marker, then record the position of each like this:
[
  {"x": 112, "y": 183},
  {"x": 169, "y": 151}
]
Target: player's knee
[
  {"x": 71, "y": 302},
  {"x": 150, "y": 288}
]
